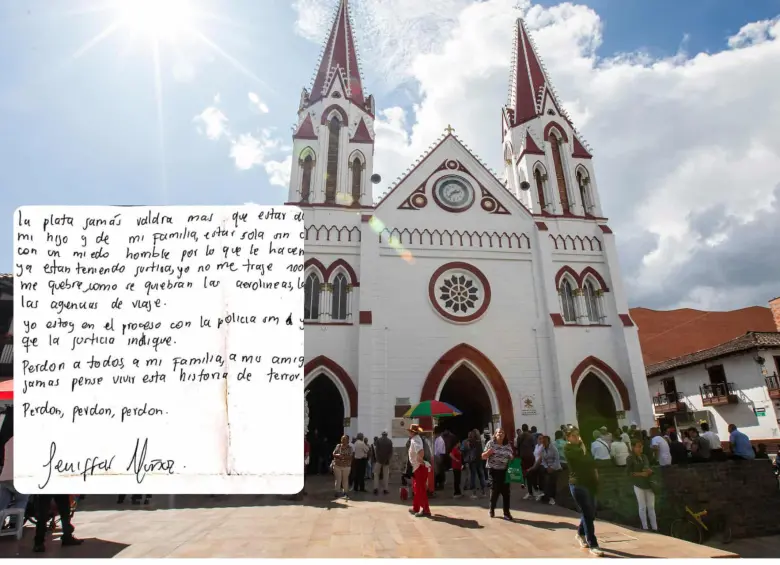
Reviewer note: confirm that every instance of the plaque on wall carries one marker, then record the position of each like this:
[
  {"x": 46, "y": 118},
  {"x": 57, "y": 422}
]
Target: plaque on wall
[{"x": 527, "y": 406}]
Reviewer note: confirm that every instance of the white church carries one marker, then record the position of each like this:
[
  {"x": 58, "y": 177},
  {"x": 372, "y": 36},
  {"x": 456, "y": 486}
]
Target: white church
[{"x": 501, "y": 298}]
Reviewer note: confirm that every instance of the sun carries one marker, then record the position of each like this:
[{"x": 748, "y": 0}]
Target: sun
[{"x": 158, "y": 19}]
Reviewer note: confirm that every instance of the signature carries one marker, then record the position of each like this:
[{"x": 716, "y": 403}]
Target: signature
[
  {"x": 89, "y": 465},
  {"x": 141, "y": 467},
  {"x": 85, "y": 468}
]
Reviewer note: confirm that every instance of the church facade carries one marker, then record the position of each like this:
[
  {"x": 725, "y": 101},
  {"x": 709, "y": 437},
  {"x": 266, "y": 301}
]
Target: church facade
[{"x": 502, "y": 297}]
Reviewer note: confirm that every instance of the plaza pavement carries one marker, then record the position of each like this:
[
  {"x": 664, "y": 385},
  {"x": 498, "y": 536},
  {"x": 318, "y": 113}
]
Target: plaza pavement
[{"x": 366, "y": 526}]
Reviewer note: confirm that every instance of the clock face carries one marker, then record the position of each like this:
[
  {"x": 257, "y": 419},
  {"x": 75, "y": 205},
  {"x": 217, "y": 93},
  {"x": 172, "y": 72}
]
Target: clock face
[{"x": 454, "y": 193}]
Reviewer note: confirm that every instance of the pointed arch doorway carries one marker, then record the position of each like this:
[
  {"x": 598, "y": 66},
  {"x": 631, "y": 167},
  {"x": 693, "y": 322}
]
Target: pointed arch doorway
[
  {"x": 461, "y": 370},
  {"x": 599, "y": 394},
  {"x": 332, "y": 398}
]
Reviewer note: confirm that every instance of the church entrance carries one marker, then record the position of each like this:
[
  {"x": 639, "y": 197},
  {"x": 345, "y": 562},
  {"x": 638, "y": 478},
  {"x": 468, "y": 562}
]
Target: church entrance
[
  {"x": 326, "y": 411},
  {"x": 465, "y": 391},
  {"x": 595, "y": 407}
]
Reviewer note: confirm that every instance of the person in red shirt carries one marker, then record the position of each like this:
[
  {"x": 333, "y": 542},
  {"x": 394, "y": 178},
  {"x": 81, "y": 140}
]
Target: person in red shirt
[{"x": 456, "y": 460}]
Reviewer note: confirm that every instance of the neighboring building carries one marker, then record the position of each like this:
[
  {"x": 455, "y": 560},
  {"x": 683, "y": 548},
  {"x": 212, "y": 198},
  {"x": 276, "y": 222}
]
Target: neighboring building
[
  {"x": 733, "y": 382},
  {"x": 502, "y": 298},
  {"x": 6, "y": 340}
]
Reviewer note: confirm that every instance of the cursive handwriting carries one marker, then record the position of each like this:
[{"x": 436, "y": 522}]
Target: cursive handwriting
[
  {"x": 84, "y": 468},
  {"x": 141, "y": 467}
]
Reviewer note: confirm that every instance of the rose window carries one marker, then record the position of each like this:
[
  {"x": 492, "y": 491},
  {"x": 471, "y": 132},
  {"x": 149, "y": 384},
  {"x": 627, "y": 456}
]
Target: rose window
[{"x": 459, "y": 292}]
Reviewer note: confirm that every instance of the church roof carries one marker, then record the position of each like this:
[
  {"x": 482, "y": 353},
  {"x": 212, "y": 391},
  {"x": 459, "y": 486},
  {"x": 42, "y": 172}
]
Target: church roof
[
  {"x": 529, "y": 87},
  {"x": 339, "y": 59}
]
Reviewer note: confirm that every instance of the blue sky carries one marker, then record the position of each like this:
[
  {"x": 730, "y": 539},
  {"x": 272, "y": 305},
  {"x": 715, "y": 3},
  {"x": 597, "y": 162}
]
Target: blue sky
[{"x": 87, "y": 130}]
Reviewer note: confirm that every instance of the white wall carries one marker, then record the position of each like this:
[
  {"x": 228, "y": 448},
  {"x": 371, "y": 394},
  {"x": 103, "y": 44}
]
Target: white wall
[{"x": 749, "y": 385}]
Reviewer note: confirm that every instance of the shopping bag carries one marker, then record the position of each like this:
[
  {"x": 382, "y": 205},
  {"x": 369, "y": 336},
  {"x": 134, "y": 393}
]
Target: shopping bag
[{"x": 514, "y": 473}]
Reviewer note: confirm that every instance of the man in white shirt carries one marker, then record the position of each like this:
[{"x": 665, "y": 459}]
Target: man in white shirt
[
  {"x": 605, "y": 435},
  {"x": 599, "y": 448},
  {"x": 619, "y": 452},
  {"x": 439, "y": 461},
  {"x": 714, "y": 441},
  {"x": 661, "y": 448},
  {"x": 360, "y": 461},
  {"x": 420, "y": 507}
]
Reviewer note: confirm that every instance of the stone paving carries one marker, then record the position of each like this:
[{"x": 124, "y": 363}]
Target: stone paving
[{"x": 366, "y": 526}]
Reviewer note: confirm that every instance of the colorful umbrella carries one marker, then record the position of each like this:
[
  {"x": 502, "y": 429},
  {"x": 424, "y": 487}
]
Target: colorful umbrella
[{"x": 432, "y": 409}]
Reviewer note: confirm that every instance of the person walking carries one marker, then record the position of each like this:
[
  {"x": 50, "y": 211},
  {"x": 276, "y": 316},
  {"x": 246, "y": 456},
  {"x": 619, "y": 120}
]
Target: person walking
[
  {"x": 384, "y": 453},
  {"x": 342, "y": 465},
  {"x": 456, "y": 461},
  {"x": 498, "y": 453},
  {"x": 638, "y": 469},
  {"x": 420, "y": 507},
  {"x": 583, "y": 485}
]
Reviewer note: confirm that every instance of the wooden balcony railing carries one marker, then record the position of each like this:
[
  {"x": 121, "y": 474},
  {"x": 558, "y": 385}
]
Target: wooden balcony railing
[
  {"x": 773, "y": 386},
  {"x": 668, "y": 402},
  {"x": 6, "y": 356},
  {"x": 718, "y": 394}
]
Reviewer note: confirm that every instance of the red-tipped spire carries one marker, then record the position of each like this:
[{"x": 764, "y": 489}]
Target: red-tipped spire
[
  {"x": 339, "y": 58},
  {"x": 528, "y": 79}
]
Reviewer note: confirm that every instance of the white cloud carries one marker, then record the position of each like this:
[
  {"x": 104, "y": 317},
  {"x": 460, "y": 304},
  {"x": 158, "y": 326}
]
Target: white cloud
[
  {"x": 671, "y": 137},
  {"x": 257, "y": 104},
  {"x": 756, "y": 32},
  {"x": 248, "y": 150},
  {"x": 279, "y": 172},
  {"x": 212, "y": 122}
]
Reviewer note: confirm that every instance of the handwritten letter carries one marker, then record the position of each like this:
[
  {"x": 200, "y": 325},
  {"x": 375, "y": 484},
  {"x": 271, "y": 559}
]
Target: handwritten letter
[{"x": 158, "y": 350}]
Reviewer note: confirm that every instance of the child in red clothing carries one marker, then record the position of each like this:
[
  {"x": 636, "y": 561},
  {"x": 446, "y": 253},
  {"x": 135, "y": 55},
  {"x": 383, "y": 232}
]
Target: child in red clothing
[{"x": 456, "y": 459}]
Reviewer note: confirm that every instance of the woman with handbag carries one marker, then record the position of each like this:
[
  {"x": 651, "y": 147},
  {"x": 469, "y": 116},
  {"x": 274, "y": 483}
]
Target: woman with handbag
[
  {"x": 638, "y": 468},
  {"x": 498, "y": 453}
]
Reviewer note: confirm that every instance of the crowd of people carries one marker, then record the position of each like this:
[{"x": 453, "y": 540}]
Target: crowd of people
[{"x": 482, "y": 461}]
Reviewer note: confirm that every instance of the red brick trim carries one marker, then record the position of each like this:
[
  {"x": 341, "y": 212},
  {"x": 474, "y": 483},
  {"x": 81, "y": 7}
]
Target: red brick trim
[
  {"x": 342, "y": 113},
  {"x": 326, "y": 205},
  {"x": 479, "y": 312},
  {"x": 366, "y": 218},
  {"x": 541, "y": 226},
  {"x": 581, "y": 370},
  {"x": 627, "y": 321},
  {"x": 562, "y": 271},
  {"x": 366, "y": 317},
  {"x": 326, "y": 273},
  {"x": 557, "y": 320},
  {"x": 596, "y": 275},
  {"x": 455, "y": 356},
  {"x": 340, "y": 374},
  {"x": 549, "y": 128},
  {"x": 605, "y": 228},
  {"x": 327, "y": 323}
]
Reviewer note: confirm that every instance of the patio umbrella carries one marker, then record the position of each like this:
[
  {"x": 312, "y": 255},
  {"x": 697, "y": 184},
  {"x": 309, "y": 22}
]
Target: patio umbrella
[{"x": 432, "y": 409}]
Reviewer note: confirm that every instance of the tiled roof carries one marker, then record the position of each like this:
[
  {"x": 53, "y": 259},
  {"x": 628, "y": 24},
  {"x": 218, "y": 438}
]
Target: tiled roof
[
  {"x": 751, "y": 340},
  {"x": 670, "y": 334}
]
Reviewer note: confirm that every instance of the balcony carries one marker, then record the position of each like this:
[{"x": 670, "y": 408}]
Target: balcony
[
  {"x": 773, "y": 386},
  {"x": 6, "y": 356},
  {"x": 718, "y": 394},
  {"x": 670, "y": 402}
]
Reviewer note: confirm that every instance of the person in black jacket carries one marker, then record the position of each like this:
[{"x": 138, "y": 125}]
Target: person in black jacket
[{"x": 383, "y": 451}]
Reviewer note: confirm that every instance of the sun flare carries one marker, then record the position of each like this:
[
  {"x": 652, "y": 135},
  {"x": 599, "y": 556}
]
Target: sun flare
[{"x": 158, "y": 19}]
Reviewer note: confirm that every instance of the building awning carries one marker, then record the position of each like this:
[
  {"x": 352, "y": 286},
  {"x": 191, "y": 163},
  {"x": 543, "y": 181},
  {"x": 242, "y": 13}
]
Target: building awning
[{"x": 7, "y": 390}]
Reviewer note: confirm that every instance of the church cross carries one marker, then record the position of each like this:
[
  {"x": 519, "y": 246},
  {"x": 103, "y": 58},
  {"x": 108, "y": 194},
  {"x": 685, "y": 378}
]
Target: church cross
[{"x": 449, "y": 129}]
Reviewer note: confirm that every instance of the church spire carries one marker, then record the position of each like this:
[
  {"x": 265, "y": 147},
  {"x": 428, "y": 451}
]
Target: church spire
[
  {"x": 339, "y": 60},
  {"x": 528, "y": 80}
]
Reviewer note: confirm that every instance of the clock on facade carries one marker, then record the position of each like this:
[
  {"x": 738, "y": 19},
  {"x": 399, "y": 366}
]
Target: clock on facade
[{"x": 453, "y": 193}]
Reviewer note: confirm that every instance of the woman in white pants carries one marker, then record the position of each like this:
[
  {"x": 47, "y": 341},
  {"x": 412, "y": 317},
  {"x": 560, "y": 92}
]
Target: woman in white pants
[
  {"x": 638, "y": 468},
  {"x": 342, "y": 465}
]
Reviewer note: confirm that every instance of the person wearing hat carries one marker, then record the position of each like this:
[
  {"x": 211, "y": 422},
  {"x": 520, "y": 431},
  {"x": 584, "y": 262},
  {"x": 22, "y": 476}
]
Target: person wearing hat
[
  {"x": 420, "y": 470},
  {"x": 383, "y": 452}
]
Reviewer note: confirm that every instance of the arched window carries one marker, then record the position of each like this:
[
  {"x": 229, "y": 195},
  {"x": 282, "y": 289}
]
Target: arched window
[
  {"x": 539, "y": 177},
  {"x": 339, "y": 298},
  {"x": 556, "y": 143},
  {"x": 311, "y": 293},
  {"x": 357, "y": 173},
  {"x": 567, "y": 302},
  {"x": 331, "y": 174},
  {"x": 592, "y": 302},
  {"x": 582, "y": 182},
  {"x": 307, "y": 165}
]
